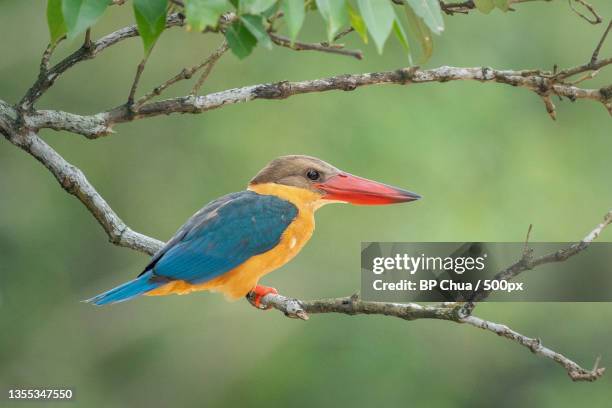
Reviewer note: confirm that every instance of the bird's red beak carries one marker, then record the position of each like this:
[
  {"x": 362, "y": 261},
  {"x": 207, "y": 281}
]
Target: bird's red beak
[{"x": 356, "y": 190}]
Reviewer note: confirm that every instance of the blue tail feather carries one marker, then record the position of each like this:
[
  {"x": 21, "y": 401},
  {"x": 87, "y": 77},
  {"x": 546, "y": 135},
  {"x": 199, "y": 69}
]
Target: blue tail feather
[{"x": 126, "y": 291}]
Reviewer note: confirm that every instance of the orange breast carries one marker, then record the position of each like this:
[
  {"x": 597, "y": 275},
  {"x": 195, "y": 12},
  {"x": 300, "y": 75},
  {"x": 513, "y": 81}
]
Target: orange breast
[{"x": 241, "y": 280}]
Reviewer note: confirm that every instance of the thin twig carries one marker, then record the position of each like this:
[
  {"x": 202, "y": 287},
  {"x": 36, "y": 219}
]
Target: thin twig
[
  {"x": 301, "y": 46},
  {"x": 527, "y": 251},
  {"x": 589, "y": 66},
  {"x": 464, "y": 7},
  {"x": 527, "y": 262},
  {"x": 139, "y": 71},
  {"x": 550, "y": 106},
  {"x": 43, "y": 83},
  {"x": 586, "y": 77},
  {"x": 186, "y": 73},
  {"x": 594, "y": 63},
  {"x": 87, "y": 42},
  {"x": 47, "y": 54},
  {"x": 575, "y": 371},
  {"x": 595, "y": 55},
  {"x": 301, "y": 309},
  {"x": 342, "y": 33},
  {"x": 596, "y": 17},
  {"x": 209, "y": 63}
]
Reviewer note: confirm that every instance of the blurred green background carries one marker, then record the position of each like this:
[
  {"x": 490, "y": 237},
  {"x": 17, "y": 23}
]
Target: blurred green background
[{"x": 487, "y": 158}]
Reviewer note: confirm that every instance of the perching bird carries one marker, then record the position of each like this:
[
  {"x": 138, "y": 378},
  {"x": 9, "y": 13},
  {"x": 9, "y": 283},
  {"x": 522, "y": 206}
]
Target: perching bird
[{"x": 233, "y": 241}]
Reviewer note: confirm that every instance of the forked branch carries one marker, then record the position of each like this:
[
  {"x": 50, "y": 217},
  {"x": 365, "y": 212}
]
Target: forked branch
[
  {"x": 455, "y": 312},
  {"x": 101, "y": 124},
  {"x": 464, "y": 7}
]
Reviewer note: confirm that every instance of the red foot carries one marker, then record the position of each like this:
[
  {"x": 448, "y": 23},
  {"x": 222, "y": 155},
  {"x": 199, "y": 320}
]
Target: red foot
[{"x": 258, "y": 292}]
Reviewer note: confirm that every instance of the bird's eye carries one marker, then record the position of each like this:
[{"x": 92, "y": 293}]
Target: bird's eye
[{"x": 313, "y": 174}]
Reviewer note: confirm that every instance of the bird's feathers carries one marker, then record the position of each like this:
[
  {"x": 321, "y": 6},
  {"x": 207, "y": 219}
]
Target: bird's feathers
[
  {"x": 223, "y": 235},
  {"x": 218, "y": 238},
  {"x": 127, "y": 291}
]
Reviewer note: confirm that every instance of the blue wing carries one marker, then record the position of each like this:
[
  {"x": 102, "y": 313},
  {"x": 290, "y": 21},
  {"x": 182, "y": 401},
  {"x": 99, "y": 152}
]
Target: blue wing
[{"x": 223, "y": 235}]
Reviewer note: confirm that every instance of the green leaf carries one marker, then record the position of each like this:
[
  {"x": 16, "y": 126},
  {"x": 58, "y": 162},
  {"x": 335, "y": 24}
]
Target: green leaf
[
  {"x": 357, "y": 23},
  {"x": 401, "y": 34},
  {"x": 55, "y": 20},
  {"x": 429, "y": 11},
  {"x": 151, "y": 20},
  {"x": 79, "y": 15},
  {"x": 503, "y": 5},
  {"x": 240, "y": 39},
  {"x": 484, "y": 6},
  {"x": 294, "y": 15},
  {"x": 419, "y": 30},
  {"x": 379, "y": 17},
  {"x": 254, "y": 6},
  {"x": 255, "y": 25},
  {"x": 204, "y": 13},
  {"x": 335, "y": 15}
]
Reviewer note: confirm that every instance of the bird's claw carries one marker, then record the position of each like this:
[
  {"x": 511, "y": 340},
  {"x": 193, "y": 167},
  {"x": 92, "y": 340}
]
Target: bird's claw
[{"x": 257, "y": 294}]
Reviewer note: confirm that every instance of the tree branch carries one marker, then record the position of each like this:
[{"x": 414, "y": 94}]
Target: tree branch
[
  {"x": 72, "y": 179},
  {"x": 139, "y": 70},
  {"x": 527, "y": 262},
  {"x": 186, "y": 73},
  {"x": 455, "y": 312},
  {"x": 596, "y": 17},
  {"x": 301, "y": 46},
  {"x": 539, "y": 82},
  {"x": 594, "y": 63},
  {"x": 209, "y": 64},
  {"x": 543, "y": 83},
  {"x": 353, "y": 305},
  {"x": 89, "y": 50},
  {"x": 301, "y": 309},
  {"x": 595, "y": 56},
  {"x": 575, "y": 371},
  {"x": 464, "y": 7}
]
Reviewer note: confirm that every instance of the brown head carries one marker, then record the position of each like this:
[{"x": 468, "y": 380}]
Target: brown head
[{"x": 330, "y": 183}]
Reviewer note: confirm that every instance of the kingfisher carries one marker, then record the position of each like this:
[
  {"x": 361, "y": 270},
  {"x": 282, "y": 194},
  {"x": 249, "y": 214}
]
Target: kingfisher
[{"x": 229, "y": 244}]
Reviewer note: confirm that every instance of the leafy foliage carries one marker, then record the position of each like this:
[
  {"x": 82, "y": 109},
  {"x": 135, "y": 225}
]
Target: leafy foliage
[
  {"x": 151, "y": 20},
  {"x": 379, "y": 17},
  {"x": 55, "y": 20},
  {"x": 335, "y": 14},
  {"x": 240, "y": 39},
  {"x": 429, "y": 11},
  {"x": 295, "y": 13},
  {"x": 254, "y": 6},
  {"x": 204, "y": 13},
  {"x": 503, "y": 5},
  {"x": 357, "y": 23},
  {"x": 255, "y": 25},
  {"x": 421, "y": 32},
  {"x": 486, "y": 6},
  {"x": 252, "y": 20},
  {"x": 78, "y": 15},
  {"x": 401, "y": 34}
]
